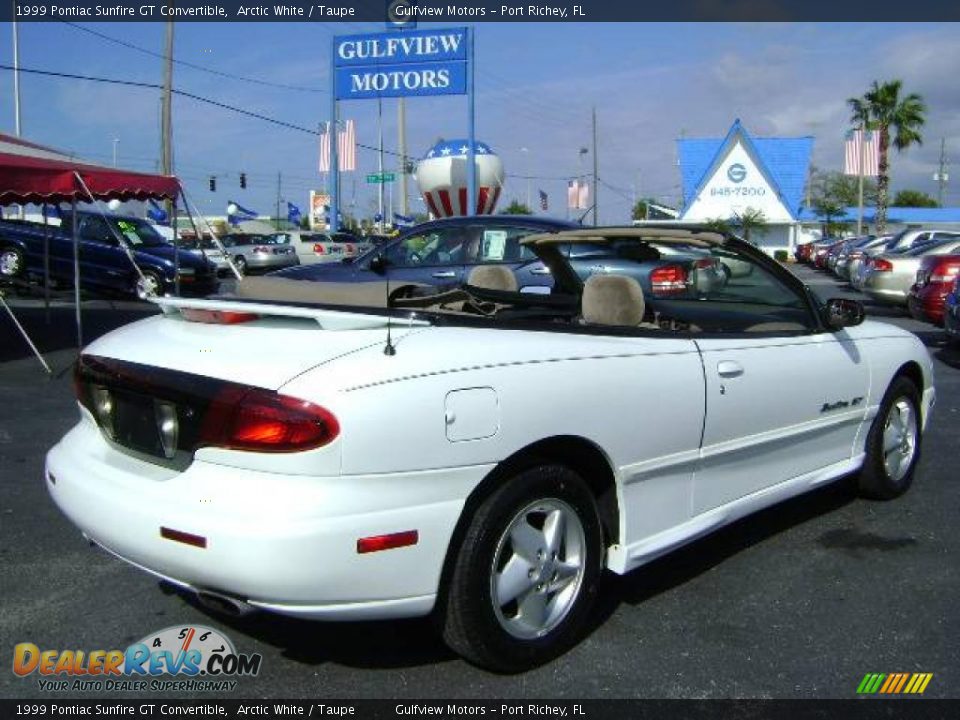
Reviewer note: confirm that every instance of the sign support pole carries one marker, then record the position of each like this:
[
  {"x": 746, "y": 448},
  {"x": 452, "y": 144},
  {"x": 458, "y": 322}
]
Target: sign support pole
[
  {"x": 471, "y": 112},
  {"x": 333, "y": 133}
]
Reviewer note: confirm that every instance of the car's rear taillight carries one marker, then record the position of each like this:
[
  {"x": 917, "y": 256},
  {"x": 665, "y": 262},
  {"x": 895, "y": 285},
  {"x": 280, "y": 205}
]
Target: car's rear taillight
[
  {"x": 242, "y": 418},
  {"x": 881, "y": 265},
  {"x": 945, "y": 271},
  {"x": 319, "y": 249},
  {"x": 668, "y": 279},
  {"x": 217, "y": 317}
]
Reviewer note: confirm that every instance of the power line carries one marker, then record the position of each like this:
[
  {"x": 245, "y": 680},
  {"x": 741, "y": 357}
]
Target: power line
[
  {"x": 192, "y": 96},
  {"x": 194, "y": 66}
]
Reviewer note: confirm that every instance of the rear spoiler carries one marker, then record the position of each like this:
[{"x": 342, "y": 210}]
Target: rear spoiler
[{"x": 327, "y": 319}]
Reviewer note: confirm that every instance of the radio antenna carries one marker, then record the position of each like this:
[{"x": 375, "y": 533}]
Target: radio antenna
[{"x": 389, "y": 348}]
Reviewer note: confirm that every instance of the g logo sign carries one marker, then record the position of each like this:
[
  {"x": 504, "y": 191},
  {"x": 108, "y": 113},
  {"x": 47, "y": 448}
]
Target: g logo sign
[
  {"x": 403, "y": 18},
  {"x": 736, "y": 173}
]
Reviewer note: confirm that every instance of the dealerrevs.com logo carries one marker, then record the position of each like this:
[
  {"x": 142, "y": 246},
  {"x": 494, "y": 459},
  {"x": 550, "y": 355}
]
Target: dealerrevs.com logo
[{"x": 201, "y": 658}]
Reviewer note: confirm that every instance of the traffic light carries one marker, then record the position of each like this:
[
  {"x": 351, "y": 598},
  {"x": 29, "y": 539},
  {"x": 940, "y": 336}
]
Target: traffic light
[
  {"x": 243, "y": 181},
  {"x": 213, "y": 183}
]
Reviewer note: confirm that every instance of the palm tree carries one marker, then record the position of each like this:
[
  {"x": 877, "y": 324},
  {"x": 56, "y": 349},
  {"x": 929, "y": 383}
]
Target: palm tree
[
  {"x": 750, "y": 220},
  {"x": 882, "y": 108}
]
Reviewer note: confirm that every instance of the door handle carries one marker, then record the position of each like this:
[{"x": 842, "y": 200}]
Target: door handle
[
  {"x": 729, "y": 369},
  {"x": 445, "y": 274},
  {"x": 540, "y": 271}
]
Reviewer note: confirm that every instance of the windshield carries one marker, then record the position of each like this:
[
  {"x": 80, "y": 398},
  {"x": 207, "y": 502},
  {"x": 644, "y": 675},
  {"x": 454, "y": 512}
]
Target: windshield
[{"x": 137, "y": 233}]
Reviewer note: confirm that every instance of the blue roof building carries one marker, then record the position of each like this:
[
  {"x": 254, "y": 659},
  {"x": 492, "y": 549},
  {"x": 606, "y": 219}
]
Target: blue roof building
[{"x": 724, "y": 177}]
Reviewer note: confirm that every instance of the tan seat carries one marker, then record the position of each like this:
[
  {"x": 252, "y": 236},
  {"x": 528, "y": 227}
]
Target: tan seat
[
  {"x": 493, "y": 277},
  {"x": 612, "y": 300}
]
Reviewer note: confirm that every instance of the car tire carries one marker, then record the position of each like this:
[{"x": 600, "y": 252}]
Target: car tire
[
  {"x": 240, "y": 263},
  {"x": 148, "y": 286},
  {"x": 11, "y": 263},
  {"x": 544, "y": 579},
  {"x": 893, "y": 443}
]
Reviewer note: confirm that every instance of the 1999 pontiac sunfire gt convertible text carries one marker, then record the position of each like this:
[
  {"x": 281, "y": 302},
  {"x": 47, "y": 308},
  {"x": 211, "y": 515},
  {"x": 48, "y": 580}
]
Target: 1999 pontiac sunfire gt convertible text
[{"x": 379, "y": 451}]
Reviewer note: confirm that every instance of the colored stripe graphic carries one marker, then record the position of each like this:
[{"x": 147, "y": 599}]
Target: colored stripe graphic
[{"x": 894, "y": 683}]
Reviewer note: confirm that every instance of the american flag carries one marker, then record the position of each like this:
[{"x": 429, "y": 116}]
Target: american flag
[
  {"x": 578, "y": 194},
  {"x": 871, "y": 153},
  {"x": 543, "y": 200},
  {"x": 346, "y": 148}
]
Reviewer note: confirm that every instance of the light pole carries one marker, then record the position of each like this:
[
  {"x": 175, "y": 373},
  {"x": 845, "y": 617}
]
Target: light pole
[
  {"x": 526, "y": 165},
  {"x": 116, "y": 141}
]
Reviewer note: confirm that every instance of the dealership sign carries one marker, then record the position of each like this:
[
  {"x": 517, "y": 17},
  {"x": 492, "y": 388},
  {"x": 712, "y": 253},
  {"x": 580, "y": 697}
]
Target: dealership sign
[
  {"x": 406, "y": 64},
  {"x": 737, "y": 183}
]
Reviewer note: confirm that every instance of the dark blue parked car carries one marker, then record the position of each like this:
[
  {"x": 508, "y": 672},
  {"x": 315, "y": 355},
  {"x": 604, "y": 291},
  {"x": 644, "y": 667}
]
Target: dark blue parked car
[
  {"x": 104, "y": 265},
  {"x": 443, "y": 252}
]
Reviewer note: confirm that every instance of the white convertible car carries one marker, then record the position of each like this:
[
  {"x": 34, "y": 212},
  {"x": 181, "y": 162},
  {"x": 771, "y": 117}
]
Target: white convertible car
[{"x": 377, "y": 451}]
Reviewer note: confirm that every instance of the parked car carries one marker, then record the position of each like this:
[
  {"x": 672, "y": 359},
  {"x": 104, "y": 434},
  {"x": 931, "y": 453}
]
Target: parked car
[
  {"x": 934, "y": 281},
  {"x": 951, "y": 314},
  {"x": 104, "y": 263},
  {"x": 322, "y": 247},
  {"x": 258, "y": 253},
  {"x": 803, "y": 252},
  {"x": 890, "y": 275},
  {"x": 843, "y": 256},
  {"x": 906, "y": 239},
  {"x": 207, "y": 249},
  {"x": 822, "y": 253},
  {"x": 859, "y": 256},
  {"x": 480, "y": 454},
  {"x": 443, "y": 252}
]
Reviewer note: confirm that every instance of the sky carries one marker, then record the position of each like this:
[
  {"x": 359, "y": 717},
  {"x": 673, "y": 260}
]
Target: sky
[{"x": 536, "y": 87}]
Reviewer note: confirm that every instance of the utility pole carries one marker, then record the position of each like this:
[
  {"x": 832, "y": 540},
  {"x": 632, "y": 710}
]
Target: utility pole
[
  {"x": 526, "y": 156},
  {"x": 941, "y": 177},
  {"x": 279, "y": 183},
  {"x": 402, "y": 145},
  {"x": 380, "y": 163},
  {"x": 16, "y": 88},
  {"x": 16, "y": 77},
  {"x": 166, "y": 130},
  {"x": 596, "y": 164}
]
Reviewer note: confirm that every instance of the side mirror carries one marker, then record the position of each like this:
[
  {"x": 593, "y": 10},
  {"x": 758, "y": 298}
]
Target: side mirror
[
  {"x": 378, "y": 264},
  {"x": 840, "y": 313}
]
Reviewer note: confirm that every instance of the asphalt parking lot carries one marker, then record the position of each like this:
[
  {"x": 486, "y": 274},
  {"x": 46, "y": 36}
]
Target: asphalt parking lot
[{"x": 801, "y": 600}]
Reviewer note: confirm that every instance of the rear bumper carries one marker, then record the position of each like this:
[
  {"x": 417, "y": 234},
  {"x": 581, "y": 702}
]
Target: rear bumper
[
  {"x": 282, "y": 543},
  {"x": 884, "y": 292},
  {"x": 927, "y": 305}
]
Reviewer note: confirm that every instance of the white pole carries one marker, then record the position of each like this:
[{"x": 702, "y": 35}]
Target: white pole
[{"x": 116, "y": 141}]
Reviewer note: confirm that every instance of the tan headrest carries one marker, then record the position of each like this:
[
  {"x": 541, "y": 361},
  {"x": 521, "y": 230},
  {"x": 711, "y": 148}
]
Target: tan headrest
[
  {"x": 493, "y": 277},
  {"x": 612, "y": 300}
]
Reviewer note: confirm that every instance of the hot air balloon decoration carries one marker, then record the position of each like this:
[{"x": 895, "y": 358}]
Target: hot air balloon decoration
[{"x": 442, "y": 178}]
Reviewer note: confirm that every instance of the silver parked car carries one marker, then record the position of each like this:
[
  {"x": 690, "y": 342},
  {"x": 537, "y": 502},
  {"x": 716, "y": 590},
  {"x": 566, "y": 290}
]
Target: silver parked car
[
  {"x": 321, "y": 247},
  {"x": 258, "y": 253},
  {"x": 890, "y": 275},
  {"x": 858, "y": 257}
]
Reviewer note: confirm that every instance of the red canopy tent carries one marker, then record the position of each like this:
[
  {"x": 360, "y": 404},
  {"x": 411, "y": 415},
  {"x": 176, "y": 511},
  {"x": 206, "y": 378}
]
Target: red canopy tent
[{"x": 31, "y": 173}]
